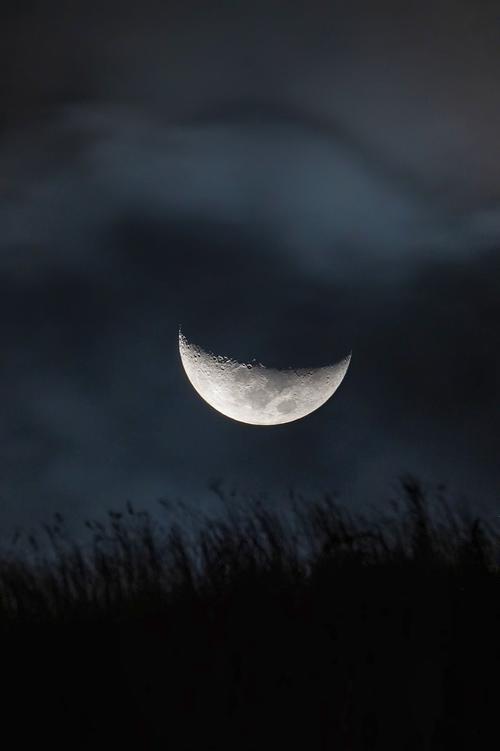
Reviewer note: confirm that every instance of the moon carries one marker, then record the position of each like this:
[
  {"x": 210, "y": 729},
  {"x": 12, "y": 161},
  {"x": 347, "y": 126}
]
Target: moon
[{"x": 255, "y": 394}]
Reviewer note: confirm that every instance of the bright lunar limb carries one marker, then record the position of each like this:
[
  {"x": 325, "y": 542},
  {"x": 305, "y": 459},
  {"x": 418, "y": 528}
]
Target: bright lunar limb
[{"x": 255, "y": 394}]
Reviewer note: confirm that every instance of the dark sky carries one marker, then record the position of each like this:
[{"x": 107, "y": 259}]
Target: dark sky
[{"x": 289, "y": 181}]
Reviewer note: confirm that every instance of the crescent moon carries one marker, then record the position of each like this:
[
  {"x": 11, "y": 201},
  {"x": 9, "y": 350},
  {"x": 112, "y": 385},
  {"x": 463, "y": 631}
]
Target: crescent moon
[{"x": 255, "y": 394}]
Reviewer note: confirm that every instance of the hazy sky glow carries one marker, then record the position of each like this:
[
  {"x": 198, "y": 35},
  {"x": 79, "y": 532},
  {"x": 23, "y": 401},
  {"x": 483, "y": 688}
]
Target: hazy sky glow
[{"x": 290, "y": 181}]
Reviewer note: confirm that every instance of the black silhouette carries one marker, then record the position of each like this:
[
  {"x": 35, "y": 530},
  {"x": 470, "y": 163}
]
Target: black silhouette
[{"x": 313, "y": 629}]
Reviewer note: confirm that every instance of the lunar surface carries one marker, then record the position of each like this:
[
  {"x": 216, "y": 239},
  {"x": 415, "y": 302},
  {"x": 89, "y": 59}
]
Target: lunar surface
[{"x": 255, "y": 394}]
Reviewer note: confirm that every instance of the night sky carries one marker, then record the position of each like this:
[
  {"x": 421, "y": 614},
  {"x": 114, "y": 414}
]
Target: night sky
[{"x": 289, "y": 181}]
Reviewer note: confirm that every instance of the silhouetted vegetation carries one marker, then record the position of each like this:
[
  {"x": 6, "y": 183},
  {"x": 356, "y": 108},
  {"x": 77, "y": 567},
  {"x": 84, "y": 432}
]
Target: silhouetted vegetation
[{"x": 314, "y": 628}]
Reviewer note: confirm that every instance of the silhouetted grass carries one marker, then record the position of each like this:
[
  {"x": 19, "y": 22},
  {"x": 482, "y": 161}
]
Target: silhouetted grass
[{"x": 313, "y": 628}]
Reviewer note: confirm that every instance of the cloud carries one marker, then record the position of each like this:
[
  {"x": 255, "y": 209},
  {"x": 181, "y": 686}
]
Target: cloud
[{"x": 322, "y": 198}]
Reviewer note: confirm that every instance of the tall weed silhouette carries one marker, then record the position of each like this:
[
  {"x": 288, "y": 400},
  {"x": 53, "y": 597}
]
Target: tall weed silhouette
[{"x": 314, "y": 627}]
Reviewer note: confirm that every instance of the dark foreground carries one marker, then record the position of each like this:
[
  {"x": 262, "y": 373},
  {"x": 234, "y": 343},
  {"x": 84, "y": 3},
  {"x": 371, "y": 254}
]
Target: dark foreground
[{"x": 322, "y": 633}]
